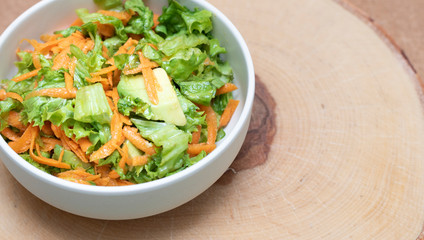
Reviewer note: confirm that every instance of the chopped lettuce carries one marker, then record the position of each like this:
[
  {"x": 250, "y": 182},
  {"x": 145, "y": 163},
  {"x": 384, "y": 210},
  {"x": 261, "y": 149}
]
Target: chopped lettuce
[
  {"x": 87, "y": 17},
  {"x": 143, "y": 21},
  {"x": 91, "y": 105},
  {"x": 173, "y": 141}
]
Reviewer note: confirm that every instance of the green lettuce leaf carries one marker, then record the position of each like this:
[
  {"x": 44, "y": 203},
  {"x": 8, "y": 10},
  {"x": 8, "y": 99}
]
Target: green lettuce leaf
[
  {"x": 184, "y": 63},
  {"x": 194, "y": 117},
  {"x": 174, "y": 142},
  {"x": 91, "y": 105},
  {"x": 143, "y": 21},
  {"x": 200, "y": 92},
  {"x": 87, "y": 17},
  {"x": 181, "y": 41},
  {"x": 40, "y": 109},
  {"x": 108, "y": 4}
]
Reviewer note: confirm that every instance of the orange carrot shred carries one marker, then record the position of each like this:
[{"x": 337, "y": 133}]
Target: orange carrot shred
[
  {"x": 69, "y": 81},
  {"x": 140, "y": 160},
  {"x": 84, "y": 143},
  {"x": 131, "y": 134},
  {"x": 61, "y": 155},
  {"x": 41, "y": 159},
  {"x": 228, "y": 112},
  {"x": 149, "y": 82},
  {"x": 104, "y": 71},
  {"x": 3, "y": 95},
  {"x": 212, "y": 123},
  {"x": 47, "y": 129},
  {"x": 26, "y": 76},
  {"x": 77, "y": 22},
  {"x": 23, "y": 143},
  {"x": 54, "y": 92},
  {"x": 14, "y": 120},
  {"x": 116, "y": 139},
  {"x": 14, "y": 96},
  {"x": 36, "y": 60},
  {"x": 228, "y": 87},
  {"x": 195, "y": 149},
  {"x": 61, "y": 60},
  {"x": 114, "y": 174},
  {"x": 49, "y": 143},
  {"x": 10, "y": 134},
  {"x": 155, "y": 20},
  {"x": 71, "y": 66},
  {"x": 195, "y": 137}
]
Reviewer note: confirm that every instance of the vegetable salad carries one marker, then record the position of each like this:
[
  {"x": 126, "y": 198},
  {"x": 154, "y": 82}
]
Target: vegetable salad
[{"x": 123, "y": 96}]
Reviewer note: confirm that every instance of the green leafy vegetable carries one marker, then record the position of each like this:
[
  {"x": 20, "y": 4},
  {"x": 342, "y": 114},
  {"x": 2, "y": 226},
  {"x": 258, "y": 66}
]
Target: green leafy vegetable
[{"x": 91, "y": 105}]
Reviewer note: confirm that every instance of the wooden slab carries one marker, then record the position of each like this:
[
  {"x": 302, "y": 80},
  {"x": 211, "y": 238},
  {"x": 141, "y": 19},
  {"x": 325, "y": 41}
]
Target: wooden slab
[{"x": 334, "y": 150}]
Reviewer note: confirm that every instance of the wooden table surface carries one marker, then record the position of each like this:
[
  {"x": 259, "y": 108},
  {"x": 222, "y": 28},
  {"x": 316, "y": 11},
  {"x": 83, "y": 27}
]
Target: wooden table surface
[{"x": 334, "y": 149}]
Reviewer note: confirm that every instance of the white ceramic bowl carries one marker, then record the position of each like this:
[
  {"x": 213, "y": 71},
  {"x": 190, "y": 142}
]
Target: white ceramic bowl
[{"x": 128, "y": 202}]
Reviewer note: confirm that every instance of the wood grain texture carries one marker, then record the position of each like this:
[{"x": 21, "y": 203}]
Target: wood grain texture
[{"x": 345, "y": 161}]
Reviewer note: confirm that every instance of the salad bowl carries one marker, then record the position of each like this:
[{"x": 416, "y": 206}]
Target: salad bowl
[{"x": 139, "y": 200}]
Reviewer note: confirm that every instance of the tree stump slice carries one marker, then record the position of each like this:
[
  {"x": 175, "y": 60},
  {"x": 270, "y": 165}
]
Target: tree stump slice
[{"x": 334, "y": 150}]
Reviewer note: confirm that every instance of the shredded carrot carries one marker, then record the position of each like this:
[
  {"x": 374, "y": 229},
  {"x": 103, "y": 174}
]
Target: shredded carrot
[
  {"x": 149, "y": 82},
  {"x": 126, "y": 120},
  {"x": 105, "y": 52},
  {"x": 106, "y": 30},
  {"x": 14, "y": 96},
  {"x": 88, "y": 46},
  {"x": 123, "y": 49},
  {"x": 23, "y": 143},
  {"x": 114, "y": 174},
  {"x": 49, "y": 143},
  {"x": 44, "y": 160},
  {"x": 228, "y": 112},
  {"x": 124, "y": 156},
  {"x": 2, "y": 94},
  {"x": 61, "y": 155},
  {"x": 212, "y": 123},
  {"x": 36, "y": 60},
  {"x": 26, "y": 76},
  {"x": 47, "y": 129},
  {"x": 228, "y": 87},
  {"x": 77, "y": 22},
  {"x": 69, "y": 144},
  {"x": 104, "y": 71},
  {"x": 208, "y": 62},
  {"x": 14, "y": 120},
  {"x": 78, "y": 176},
  {"x": 96, "y": 79},
  {"x": 69, "y": 81},
  {"x": 54, "y": 92},
  {"x": 195, "y": 149},
  {"x": 116, "y": 139},
  {"x": 155, "y": 20},
  {"x": 131, "y": 134},
  {"x": 71, "y": 66},
  {"x": 62, "y": 59},
  {"x": 10, "y": 134},
  {"x": 153, "y": 46},
  {"x": 84, "y": 143},
  {"x": 140, "y": 160},
  {"x": 131, "y": 50},
  {"x": 195, "y": 137}
]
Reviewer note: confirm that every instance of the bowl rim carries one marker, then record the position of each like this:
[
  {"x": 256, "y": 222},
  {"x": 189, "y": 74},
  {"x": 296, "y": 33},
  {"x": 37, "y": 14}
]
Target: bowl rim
[{"x": 159, "y": 183}]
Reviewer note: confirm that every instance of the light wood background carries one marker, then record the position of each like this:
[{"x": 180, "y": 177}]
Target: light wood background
[{"x": 335, "y": 148}]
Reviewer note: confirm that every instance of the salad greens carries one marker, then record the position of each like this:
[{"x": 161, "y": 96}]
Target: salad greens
[{"x": 121, "y": 96}]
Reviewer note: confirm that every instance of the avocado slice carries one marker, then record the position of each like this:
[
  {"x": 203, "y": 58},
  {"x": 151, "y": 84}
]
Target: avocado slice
[{"x": 168, "y": 109}]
